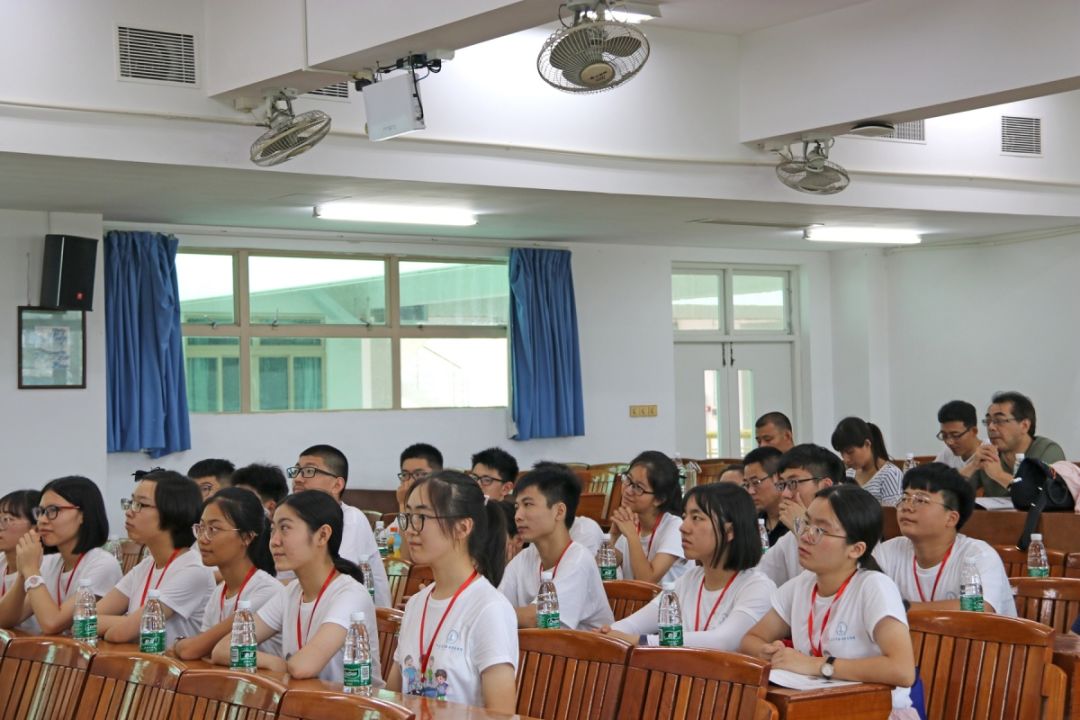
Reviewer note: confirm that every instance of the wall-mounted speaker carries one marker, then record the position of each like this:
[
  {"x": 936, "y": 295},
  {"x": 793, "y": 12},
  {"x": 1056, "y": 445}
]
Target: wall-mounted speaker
[{"x": 67, "y": 272}]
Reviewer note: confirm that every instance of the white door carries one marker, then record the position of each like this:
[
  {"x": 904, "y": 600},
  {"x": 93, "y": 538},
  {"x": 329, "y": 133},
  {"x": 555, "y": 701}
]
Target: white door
[{"x": 721, "y": 388}]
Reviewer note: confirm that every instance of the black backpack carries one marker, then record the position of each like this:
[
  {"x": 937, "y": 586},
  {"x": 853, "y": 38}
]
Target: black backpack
[{"x": 1036, "y": 488}]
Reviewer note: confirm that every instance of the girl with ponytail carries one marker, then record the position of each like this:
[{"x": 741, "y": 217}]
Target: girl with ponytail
[
  {"x": 845, "y": 618},
  {"x": 862, "y": 447},
  {"x": 312, "y": 614},
  {"x": 459, "y": 635},
  {"x": 233, "y": 536}
]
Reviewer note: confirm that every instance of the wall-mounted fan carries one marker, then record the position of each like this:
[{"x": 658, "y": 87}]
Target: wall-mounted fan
[
  {"x": 289, "y": 134},
  {"x": 592, "y": 51},
  {"x": 812, "y": 171}
]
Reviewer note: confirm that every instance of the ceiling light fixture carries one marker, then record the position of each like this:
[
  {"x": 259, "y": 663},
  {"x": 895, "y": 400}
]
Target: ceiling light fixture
[
  {"x": 397, "y": 214},
  {"x": 864, "y": 235},
  {"x": 634, "y": 12}
]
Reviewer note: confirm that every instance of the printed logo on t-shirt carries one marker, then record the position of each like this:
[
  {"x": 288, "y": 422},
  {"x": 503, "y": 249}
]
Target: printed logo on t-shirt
[
  {"x": 841, "y": 634},
  {"x": 432, "y": 684}
]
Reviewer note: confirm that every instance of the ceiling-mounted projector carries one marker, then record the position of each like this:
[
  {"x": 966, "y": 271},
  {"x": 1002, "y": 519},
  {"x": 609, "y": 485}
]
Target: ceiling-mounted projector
[{"x": 393, "y": 107}]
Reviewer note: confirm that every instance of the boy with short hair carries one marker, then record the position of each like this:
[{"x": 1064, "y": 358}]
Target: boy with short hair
[
  {"x": 211, "y": 475},
  {"x": 417, "y": 461},
  {"x": 496, "y": 471},
  {"x": 266, "y": 481}
]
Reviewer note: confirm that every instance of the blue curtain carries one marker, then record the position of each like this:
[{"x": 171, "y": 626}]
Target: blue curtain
[
  {"x": 147, "y": 408},
  {"x": 545, "y": 360}
]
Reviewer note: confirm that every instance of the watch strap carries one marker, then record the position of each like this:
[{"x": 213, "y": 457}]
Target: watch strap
[{"x": 32, "y": 582}]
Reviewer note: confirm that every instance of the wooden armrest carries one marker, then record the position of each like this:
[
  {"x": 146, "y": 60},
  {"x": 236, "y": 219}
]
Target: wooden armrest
[{"x": 1053, "y": 690}]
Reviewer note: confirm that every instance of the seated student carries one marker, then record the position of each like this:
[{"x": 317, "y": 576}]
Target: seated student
[
  {"x": 514, "y": 543},
  {"x": 496, "y": 471},
  {"x": 266, "y": 481},
  {"x": 71, "y": 519},
  {"x": 160, "y": 514},
  {"x": 546, "y": 500},
  {"x": 960, "y": 433},
  {"x": 233, "y": 536},
  {"x": 845, "y": 619},
  {"x": 802, "y": 471},
  {"x": 312, "y": 614},
  {"x": 759, "y": 479},
  {"x": 324, "y": 467},
  {"x": 926, "y": 561},
  {"x": 732, "y": 474},
  {"x": 417, "y": 461},
  {"x": 645, "y": 528},
  {"x": 773, "y": 429},
  {"x": 473, "y": 645},
  {"x": 862, "y": 447},
  {"x": 585, "y": 530},
  {"x": 1010, "y": 425},
  {"x": 211, "y": 475},
  {"x": 722, "y": 596},
  {"x": 16, "y": 519}
]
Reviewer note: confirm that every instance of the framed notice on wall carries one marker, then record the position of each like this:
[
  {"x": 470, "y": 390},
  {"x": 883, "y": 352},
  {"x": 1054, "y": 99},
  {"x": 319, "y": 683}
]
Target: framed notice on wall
[{"x": 52, "y": 348}]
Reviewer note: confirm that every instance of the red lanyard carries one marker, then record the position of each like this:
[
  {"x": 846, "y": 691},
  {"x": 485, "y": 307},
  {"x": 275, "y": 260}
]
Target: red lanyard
[
  {"x": 150, "y": 575},
  {"x": 697, "y": 614},
  {"x": 937, "y": 578},
  {"x": 67, "y": 588},
  {"x": 425, "y": 656},
  {"x": 655, "y": 527},
  {"x": 816, "y": 651},
  {"x": 311, "y": 617},
  {"x": 225, "y": 589},
  {"x": 555, "y": 570}
]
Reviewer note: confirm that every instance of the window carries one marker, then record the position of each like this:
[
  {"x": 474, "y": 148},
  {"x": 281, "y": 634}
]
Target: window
[
  {"x": 730, "y": 301},
  {"x": 267, "y": 332},
  {"x": 695, "y": 301}
]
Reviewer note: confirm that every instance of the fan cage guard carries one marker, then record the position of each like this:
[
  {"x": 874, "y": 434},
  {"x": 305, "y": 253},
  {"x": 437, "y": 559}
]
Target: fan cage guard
[
  {"x": 832, "y": 178},
  {"x": 289, "y": 137},
  {"x": 572, "y": 56}
]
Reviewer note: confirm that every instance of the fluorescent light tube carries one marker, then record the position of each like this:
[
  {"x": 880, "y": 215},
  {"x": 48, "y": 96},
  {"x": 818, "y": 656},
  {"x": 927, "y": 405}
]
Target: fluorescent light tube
[
  {"x": 403, "y": 214},
  {"x": 866, "y": 236}
]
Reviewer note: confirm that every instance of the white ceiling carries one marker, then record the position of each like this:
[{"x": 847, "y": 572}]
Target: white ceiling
[{"x": 736, "y": 17}]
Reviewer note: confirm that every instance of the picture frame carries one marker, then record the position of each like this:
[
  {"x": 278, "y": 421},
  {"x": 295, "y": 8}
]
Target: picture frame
[{"x": 52, "y": 348}]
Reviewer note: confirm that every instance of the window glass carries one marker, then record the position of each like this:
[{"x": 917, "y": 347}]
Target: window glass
[
  {"x": 205, "y": 283},
  {"x": 453, "y": 372},
  {"x": 760, "y": 302},
  {"x": 316, "y": 291},
  {"x": 695, "y": 301},
  {"x": 212, "y": 367},
  {"x": 315, "y": 373},
  {"x": 447, "y": 293}
]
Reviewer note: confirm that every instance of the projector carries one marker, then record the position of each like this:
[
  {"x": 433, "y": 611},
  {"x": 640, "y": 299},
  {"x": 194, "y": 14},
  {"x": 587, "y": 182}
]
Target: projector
[{"x": 393, "y": 107}]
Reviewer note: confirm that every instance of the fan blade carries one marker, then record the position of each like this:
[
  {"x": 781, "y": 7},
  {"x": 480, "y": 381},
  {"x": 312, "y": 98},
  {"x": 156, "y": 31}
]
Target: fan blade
[
  {"x": 622, "y": 46},
  {"x": 565, "y": 55}
]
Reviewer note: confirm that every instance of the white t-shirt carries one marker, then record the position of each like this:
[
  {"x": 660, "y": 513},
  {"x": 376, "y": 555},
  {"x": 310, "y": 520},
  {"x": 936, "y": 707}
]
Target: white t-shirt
[
  {"x": 583, "y": 604},
  {"x": 184, "y": 585},
  {"x": 343, "y": 596},
  {"x": 358, "y": 545},
  {"x": 588, "y": 533},
  {"x": 951, "y": 459},
  {"x": 259, "y": 590},
  {"x": 896, "y": 556},
  {"x": 479, "y": 632},
  {"x": 781, "y": 562},
  {"x": 747, "y": 600},
  {"x": 668, "y": 540},
  {"x": 868, "y": 599},
  {"x": 99, "y": 565}
]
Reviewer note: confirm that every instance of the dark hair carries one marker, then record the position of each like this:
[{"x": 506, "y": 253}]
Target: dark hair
[
  {"x": 221, "y": 469},
  {"x": 246, "y": 513},
  {"x": 954, "y": 488},
  {"x": 333, "y": 458},
  {"x": 664, "y": 478},
  {"x": 958, "y": 411},
  {"x": 853, "y": 432},
  {"x": 499, "y": 460},
  {"x": 508, "y": 510},
  {"x": 21, "y": 503},
  {"x": 778, "y": 419},
  {"x": 268, "y": 481},
  {"x": 733, "y": 467},
  {"x": 316, "y": 509},
  {"x": 766, "y": 456},
  {"x": 179, "y": 504},
  {"x": 1022, "y": 407},
  {"x": 859, "y": 514},
  {"x": 455, "y": 495},
  {"x": 814, "y": 459},
  {"x": 84, "y": 494},
  {"x": 729, "y": 503},
  {"x": 557, "y": 483},
  {"x": 140, "y": 474},
  {"x": 423, "y": 451}
]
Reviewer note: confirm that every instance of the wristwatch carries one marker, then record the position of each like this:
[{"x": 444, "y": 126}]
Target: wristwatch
[
  {"x": 827, "y": 669},
  {"x": 32, "y": 582}
]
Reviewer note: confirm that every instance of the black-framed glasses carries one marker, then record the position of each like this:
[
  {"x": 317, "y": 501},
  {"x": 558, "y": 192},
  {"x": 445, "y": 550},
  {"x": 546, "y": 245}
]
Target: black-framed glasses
[
  {"x": 416, "y": 521},
  {"x": 308, "y": 471},
  {"x": 988, "y": 421},
  {"x": 484, "y": 480},
  {"x": 127, "y": 504},
  {"x": 50, "y": 511},
  {"x": 753, "y": 483},
  {"x": 812, "y": 533},
  {"x": 209, "y": 531},
  {"x": 632, "y": 488},
  {"x": 206, "y": 488},
  {"x": 944, "y": 436},
  {"x": 413, "y": 475},
  {"x": 919, "y": 500},
  {"x": 793, "y": 483}
]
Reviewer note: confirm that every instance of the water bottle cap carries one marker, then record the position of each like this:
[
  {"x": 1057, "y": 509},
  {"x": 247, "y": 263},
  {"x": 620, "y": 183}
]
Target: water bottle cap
[
  {"x": 379, "y": 525},
  {"x": 911, "y": 456},
  {"x": 86, "y": 582},
  {"x": 1036, "y": 536},
  {"x": 546, "y": 575},
  {"x": 761, "y": 522},
  {"x": 153, "y": 594},
  {"x": 357, "y": 616},
  {"x": 243, "y": 605},
  {"x": 607, "y": 537},
  {"x": 668, "y": 585}
]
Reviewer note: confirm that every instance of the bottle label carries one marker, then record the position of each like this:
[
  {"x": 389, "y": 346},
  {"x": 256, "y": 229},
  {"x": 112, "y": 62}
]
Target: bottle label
[
  {"x": 242, "y": 657},
  {"x": 609, "y": 572},
  {"x": 548, "y": 620},
  {"x": 84, "y": 628},
  {"x": 358, "y": 674},
  {"x": 971, "y": 603},
  {"x": 152, "y": 643},
  {"x": 371, "y": 592},
  {"x": 384, "y": 551},
  {"x": 671, "y": 635},
  {"x": 1038, "y": 572}
]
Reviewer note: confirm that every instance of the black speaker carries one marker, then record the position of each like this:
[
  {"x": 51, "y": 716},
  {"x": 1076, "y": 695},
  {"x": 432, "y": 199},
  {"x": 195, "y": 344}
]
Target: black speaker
[{"x": 67, "y": 272}]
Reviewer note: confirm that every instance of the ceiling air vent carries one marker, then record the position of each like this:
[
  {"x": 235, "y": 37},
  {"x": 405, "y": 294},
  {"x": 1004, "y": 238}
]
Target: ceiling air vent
[
  {"x": 339, "y": 90},
  {"x": 156, "y": 56},
  {"x": 914, "y": 131},
  {"x": 1021, "y": 135}
]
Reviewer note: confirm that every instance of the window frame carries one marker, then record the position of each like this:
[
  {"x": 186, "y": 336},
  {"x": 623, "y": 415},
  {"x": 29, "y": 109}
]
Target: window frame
[{"x": 727, "y": 331}]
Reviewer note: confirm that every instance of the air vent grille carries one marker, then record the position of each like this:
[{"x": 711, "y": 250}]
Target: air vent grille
[
  {"x": 914, "y": 130},
  {"x": 337, "y": 90},
  {"x": 156, "y": 55},
  {"x": 1021, "y": 135}
]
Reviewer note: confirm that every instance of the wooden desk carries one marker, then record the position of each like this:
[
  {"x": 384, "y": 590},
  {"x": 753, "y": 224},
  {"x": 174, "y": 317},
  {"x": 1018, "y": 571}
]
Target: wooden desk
[
  {"x": 1060, "y": 530},
  {"x": 865, "y": 701},
  {"x": 1067, "y": 657}
]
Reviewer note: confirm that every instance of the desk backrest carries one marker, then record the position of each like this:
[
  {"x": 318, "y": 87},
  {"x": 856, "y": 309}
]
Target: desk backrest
[
  {"x": 217, "y": 694},
  {"x": 568, "y": 674},
  {"x": 1052, "y": 601},
  {"x": 389, "y": 623},
  {"x": 397, "y": 574},
  {"x": 419, "y": 577},
  {"x": 626, "y": 597},
  {"x": 1015, "y": 561},
  {"x": 321, "y": 705},
  {"x": 129, "y": 686},
  {"x": 131, "y": 553},
  {"x": 42, "y": 678}
]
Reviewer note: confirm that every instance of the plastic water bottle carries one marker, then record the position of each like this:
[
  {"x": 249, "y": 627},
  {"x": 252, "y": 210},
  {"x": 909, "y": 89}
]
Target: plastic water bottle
[
  {"x": 369, "y": 579},
  {"x": 681, "y": 467},
  {"x": 670, "y": 617},
  {"x": 152, "y": 625},
  {"x": 763, "y": 533},
  {"x": 909, "y": 462},
  {"x": 357, "y": 657},
  {"x": 971, "y": 589},
  {"x": 1037, "y": 565},
  {"x": 84, "y": 625},
  {"x": 115, "y": 546},
  {"x": 382, "y": 539},
  {"x": 605, "y": 560},
  {"x": 242, "y": 648},
  {"x": 547, "y": 602},
  {"x": 395, "y": 537},
  {"x": 1016, "y": 467}
]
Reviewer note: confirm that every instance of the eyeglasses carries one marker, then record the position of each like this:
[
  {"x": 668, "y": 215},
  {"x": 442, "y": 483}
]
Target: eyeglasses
[
  {"x": 308, "y": 471},
  {"x": 812, "y": 533},
  {"x": 484, "y": 480},
  {"x": 988, "y": 421},
  {"x": 754, "y": 483},
  {"x": 206, "y": 488},
  {"x": 793, "y": 484},
  {"x": 209, "y": 531},
  {"x": 416, "y": 520},
  {"x": 49, "y": 511},
  {"x": 944, "y": 436},
  {"x": 6, "y": 520},
  {"x": 127, "y": 504},
  {"x": 413, "y": 475},
  {"x": 632, "y": 488},
  {"x": 919, "y": 500}
]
